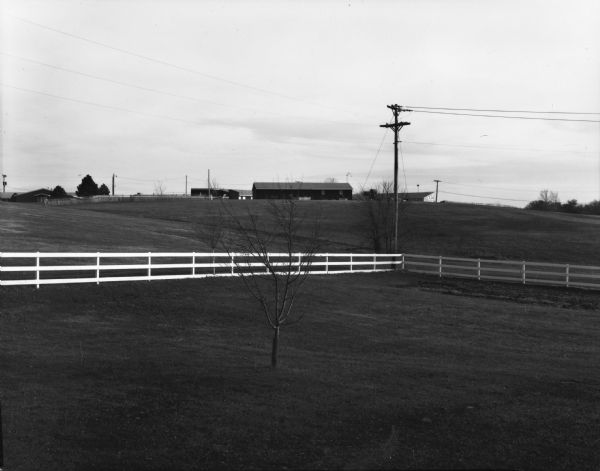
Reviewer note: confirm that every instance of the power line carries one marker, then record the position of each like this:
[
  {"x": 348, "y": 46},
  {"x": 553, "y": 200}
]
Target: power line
[
  {"x": 161, "y": 92},
  {"x": 498, "y": 148},
  {"x": 91, "y": 103},
  {"x": 502, "y": 111},
  {"x": 509, "y": 117},
  {"x": 403, "y": 169},
  {"x": 487, "y": 197},
  {"x": 174, "y": 66},
  {"x": 376, "y": 155}
]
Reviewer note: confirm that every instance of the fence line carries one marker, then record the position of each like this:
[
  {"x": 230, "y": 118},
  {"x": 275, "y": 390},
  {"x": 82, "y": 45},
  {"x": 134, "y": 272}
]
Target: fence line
[
  {"x": 535, "y": 273},
  {"x": 38, "y": 268}
]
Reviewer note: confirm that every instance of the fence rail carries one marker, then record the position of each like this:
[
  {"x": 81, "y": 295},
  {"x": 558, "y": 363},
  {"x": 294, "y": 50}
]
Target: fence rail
[
  {"x": 40, "y": 268},
  {"x": 535, "y": 273}
]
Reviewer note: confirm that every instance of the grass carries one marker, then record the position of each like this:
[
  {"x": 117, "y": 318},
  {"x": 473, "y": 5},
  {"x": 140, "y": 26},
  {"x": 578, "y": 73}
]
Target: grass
[
  {"x": 429, "y": 229},
  {"x": 385, "y": 371}
]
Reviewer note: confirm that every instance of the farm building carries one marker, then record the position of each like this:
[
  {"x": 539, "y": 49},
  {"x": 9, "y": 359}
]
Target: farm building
[
  {"x": 204, "y": 192},
  {"x": 35, "y": 196},
  {"x": 415, "y": 196},
  {"x": 301, "y": 190}
]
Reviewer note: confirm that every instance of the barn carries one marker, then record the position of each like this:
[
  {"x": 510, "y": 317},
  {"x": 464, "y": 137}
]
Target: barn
[{"x": 301, "y": 190}]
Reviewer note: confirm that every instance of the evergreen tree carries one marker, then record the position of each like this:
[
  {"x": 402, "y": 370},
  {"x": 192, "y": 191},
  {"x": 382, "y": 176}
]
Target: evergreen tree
[
  {"x": 59, "y": 192},
  {"x": 103, "y": 190},
  {"x": 87, "y": 187}
]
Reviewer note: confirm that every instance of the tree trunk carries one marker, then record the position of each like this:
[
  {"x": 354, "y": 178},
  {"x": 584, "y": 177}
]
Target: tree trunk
[{"x": 275, "y": 349}]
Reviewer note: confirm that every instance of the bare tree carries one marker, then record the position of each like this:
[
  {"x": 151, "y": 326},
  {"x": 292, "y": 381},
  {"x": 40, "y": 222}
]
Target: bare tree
[
  {"x": 275, "y": 281},
  {"x": 159, "y": 188},
  {"x": 379, "y": 210}
]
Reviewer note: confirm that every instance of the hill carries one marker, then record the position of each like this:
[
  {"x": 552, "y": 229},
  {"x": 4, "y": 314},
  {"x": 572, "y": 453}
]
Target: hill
[{"x": 434, "y": 229}]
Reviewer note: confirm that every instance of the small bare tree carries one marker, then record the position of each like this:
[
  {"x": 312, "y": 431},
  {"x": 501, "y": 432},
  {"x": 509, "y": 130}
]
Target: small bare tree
[
  {"x": 379, "y": 210},
  {"x": 159, "y": 188},
  {"x": 275, "y": 281}
]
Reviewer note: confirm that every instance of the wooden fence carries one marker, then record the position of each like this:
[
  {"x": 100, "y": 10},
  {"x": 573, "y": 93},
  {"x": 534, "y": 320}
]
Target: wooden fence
[
  {"x": 38, "y": 268},
  {"x": 535, "y": 273}
]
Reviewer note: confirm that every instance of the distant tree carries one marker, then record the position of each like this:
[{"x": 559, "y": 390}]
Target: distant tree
[
  {"x": 159, "y": 188},
  {"x": 571, "y": 206},
  {"x": 87, "y": 187},
  {"x": 59, "y": 192},
  {"x": 592, "y": 208},
  {"x": 548, "y": 201},
  {"x": 103, "y": 190},
  {"x": 331, "y": 180}
]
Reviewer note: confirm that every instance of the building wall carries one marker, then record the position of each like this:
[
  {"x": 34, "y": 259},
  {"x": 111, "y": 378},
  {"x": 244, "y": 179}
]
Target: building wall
[{"x": 301, "y": 194}]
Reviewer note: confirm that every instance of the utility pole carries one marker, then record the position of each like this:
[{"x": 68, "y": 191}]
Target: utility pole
[
  {"x": 186, "y": 185},
  {"x": 396, "y": 126},
  {"x": 3, "y": 183},
  {"x": 113, "y": 184},
  {"x": 437, "y": 182}
]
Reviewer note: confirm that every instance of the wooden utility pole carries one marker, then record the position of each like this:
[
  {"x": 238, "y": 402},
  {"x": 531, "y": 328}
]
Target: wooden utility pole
[
  {"x": 186, "y": 185},
  {"x": 209, "y": 197},
  {"x": 396, "y": 126},
  {"x": 113, "y": 184},
  {"x": 437, "y": 182}
]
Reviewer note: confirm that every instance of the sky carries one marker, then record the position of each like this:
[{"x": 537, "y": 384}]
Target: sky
[{"x": 159, "y": 91}]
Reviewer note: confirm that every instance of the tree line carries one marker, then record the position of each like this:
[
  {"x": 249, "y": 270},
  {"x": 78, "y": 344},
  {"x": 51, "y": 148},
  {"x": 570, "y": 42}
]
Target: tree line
[
  {"x": 549, "y": 201},
  {"x": 87, "y": 187}
]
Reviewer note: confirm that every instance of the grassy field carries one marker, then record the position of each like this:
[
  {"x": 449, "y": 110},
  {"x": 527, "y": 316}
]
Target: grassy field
[
  {"x": 385, "y": 371},
  {"x": 404, "y": 372},
  {"x": 442, "y": 229}
]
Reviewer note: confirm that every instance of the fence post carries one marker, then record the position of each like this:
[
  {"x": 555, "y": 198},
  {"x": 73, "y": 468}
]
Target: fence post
[
  {"x": 567, "y": 274},
  {"x": 374, "y": 262},
  {"x": 267, "y": 265},
  {"x": 232, "y": 263},
  {"x": 440, "y": 266},
  {"x": 37, "y": 271},
  {"x": 149, "y": 266},
  {"x": 350, "y": 262},
  {"x": 523, "y": 270},
  {"x": 193, "y": 264},
  {"x": 327, "y": 263},
  {"x": 97, "y": 268},
  {"x": 403, "y": 267},
  {"x": 479, "y": 269},
  {"x": 299, "y": 263}
]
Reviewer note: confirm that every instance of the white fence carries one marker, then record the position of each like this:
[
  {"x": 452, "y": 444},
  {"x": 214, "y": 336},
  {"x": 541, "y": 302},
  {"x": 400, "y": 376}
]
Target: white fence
[
  {"x": 38, "y": 268},
  {"x": 535, "y": 273}
]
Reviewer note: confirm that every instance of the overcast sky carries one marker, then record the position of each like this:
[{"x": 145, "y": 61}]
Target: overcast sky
[{"x": 155, "y": 90}]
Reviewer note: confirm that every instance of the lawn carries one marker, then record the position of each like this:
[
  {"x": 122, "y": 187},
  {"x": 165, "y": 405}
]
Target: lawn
[
  {"x": 385, "y": 371},
  {"x": 179, "y": 225}
]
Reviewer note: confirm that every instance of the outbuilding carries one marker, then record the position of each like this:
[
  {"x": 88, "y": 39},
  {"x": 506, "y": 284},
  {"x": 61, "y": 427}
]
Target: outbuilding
[
  {"x": 35, "y": 196},
  {"x": 301, "y": 190}
]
